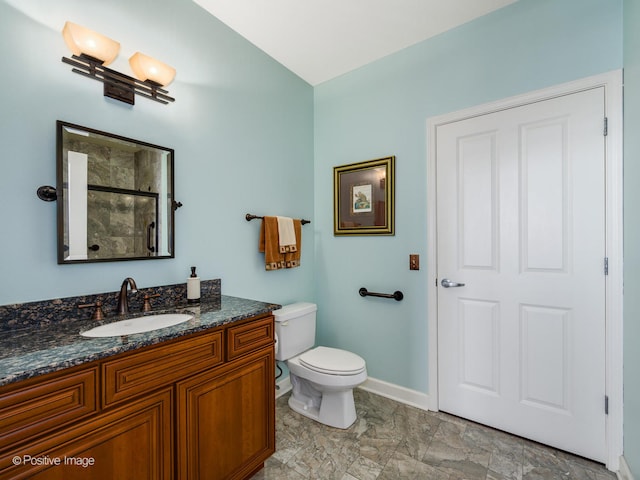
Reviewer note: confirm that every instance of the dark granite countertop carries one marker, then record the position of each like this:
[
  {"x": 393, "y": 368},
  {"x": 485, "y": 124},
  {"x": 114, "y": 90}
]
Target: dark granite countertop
[{"x": 30, "y": 351}]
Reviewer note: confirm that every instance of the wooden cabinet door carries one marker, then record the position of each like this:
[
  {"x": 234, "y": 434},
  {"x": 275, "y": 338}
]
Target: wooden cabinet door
[
  {"x": 133, "y": 442},
  {"x": 226, "y": 419}
]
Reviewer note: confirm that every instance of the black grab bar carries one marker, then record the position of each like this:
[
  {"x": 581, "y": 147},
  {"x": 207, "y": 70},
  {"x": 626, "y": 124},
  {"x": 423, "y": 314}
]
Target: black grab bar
[{"x": 397, "y": 294}]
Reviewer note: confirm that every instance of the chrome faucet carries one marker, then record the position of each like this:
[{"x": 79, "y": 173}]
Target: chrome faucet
[{"x": 123, "y": 301}]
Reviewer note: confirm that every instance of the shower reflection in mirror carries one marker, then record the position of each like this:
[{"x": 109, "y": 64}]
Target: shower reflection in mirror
[{"x": 117, "y": 196}]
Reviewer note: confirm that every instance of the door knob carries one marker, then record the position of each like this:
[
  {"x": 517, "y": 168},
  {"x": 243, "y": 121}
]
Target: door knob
[{"x": 446, "y": 283}]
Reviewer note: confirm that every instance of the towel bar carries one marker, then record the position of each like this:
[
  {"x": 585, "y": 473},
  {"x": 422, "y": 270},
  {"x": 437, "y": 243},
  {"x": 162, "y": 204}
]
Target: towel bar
[
  {"x": 250, "y": 217},
  {"x": 397, "y": 294}
]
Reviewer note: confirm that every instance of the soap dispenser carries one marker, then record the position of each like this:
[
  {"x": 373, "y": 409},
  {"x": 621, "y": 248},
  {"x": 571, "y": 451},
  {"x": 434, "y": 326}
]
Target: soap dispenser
[{"x": 193, "y": 287}]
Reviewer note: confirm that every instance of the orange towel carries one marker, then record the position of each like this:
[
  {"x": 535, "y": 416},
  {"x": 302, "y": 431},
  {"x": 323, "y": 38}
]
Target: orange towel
[
  {"x": 273, "y": 259},
  {"x": 269, "y": 244}
]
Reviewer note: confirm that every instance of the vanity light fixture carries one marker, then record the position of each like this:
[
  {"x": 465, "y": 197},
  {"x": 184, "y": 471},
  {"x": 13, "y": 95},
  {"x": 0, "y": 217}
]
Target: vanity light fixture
[
  {"x": 82, "y": 41},
  {"x": 93, "y": 51},
  {"x": 148, "y": 69}
]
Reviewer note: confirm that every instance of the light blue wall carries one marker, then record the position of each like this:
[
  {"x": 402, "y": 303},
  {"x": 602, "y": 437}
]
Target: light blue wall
[
  {"x": 241, "y": 127},
  {"x": 382, "y": 109},
  {"x": 244, "y": 134},
  {"x": 632, "y": 235}
]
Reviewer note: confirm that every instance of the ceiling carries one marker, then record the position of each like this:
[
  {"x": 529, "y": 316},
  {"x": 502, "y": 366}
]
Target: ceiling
[{"x": 321, "y": 39}]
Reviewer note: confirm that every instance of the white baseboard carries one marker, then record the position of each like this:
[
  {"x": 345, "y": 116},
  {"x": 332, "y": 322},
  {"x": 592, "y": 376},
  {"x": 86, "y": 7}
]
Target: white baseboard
[
  {"x": 384, "y": 389},
  {"x": 624, "y": 473},
  {"x": 395, "y": 392},
  {"x": 283, "y": 386}
]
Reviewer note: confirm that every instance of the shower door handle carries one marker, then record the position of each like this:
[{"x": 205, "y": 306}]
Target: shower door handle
[
  {"x": 150, "y": 242},
  {"x": 446, "y": 283}
]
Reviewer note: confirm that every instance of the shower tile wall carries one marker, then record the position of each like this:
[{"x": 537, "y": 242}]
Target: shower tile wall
[
  {"x": 118, "y": 222},
  {"x": 146, "y": 179}
]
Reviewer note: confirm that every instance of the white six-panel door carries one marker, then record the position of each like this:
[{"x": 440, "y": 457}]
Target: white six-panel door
[{"x": 521, "y": 223}]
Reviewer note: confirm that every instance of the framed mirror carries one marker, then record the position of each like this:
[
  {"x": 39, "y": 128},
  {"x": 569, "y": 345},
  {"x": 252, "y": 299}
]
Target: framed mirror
[{"x": 115, "y": 197}]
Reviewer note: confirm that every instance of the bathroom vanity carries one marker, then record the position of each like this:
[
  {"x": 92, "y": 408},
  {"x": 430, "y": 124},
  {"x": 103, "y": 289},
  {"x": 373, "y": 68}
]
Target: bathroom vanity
[{"x": 195, "y": 400}]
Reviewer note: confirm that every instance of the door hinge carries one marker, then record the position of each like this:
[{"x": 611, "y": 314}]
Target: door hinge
[
  {"x": 606, "y": 405},
  {"x": 606, "y": 265},
  {"x": 605, "y": 131}
]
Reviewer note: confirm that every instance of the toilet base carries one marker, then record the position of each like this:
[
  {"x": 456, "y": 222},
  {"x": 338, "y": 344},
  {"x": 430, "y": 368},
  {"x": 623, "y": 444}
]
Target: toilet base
[
  {"x": 304, "y": 409},
  {"x": 335, "y": 408}
]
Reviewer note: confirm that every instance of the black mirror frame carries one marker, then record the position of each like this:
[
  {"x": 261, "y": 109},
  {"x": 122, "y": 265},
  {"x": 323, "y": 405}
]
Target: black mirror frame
[{"x": 60, "y": 191}]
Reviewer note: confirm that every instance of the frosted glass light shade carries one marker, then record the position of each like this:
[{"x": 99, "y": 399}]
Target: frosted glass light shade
[
  {"x": 147, "y": 68},
  {"x": 81, "y": 40}
]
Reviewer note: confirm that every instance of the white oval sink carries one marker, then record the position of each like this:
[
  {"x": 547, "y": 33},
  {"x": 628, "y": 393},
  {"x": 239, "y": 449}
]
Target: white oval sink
[{"x": 146, "y": 323}]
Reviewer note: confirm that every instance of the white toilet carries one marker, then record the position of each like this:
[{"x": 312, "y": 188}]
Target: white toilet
[{"x": 322, "y": 378}]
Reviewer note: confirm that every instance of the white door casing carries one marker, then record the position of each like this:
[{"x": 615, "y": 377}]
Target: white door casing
[{"x": 534, "y": 360}]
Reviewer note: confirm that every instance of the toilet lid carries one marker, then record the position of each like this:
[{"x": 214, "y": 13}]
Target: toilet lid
[{"x": 332, "y": 361}]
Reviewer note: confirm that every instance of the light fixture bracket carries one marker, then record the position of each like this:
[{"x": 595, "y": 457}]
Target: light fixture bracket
[{"x": 117, "y": 85}]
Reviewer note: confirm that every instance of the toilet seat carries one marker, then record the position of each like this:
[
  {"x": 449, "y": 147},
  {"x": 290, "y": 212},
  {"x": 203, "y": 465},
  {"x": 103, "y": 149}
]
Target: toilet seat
[{"x": 332, "y": 361}]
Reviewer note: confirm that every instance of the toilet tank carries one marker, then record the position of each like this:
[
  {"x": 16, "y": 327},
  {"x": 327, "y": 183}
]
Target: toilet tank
[{"x": 295, "y": 328}]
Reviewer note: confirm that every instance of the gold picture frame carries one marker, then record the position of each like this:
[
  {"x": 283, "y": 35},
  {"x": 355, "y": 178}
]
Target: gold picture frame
[{"x": 363, "y": 198}]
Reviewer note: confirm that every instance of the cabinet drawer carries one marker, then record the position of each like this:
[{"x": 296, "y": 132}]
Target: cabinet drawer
[
  {"x": 48, "y": 404},
  {"x": 242, "y": 339},
  {"x": 142, "y": 372}
]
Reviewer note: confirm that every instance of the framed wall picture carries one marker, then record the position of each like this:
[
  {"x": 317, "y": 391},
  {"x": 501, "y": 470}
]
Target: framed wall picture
[{"x": 363, "y": 195}]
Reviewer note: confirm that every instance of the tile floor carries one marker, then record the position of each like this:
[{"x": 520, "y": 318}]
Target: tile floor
[{"x": 392, "y": 441}]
